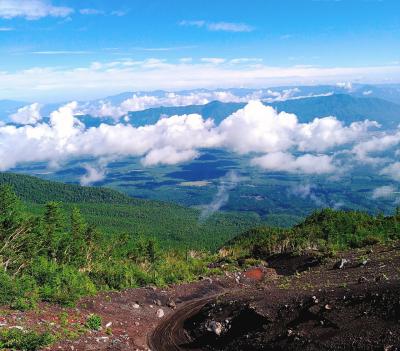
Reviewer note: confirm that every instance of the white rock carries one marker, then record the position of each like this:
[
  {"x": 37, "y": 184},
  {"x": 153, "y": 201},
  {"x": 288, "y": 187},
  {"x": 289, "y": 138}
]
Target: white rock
[
  {"x": 160, "y": 313},
  {"x": 215, "y": 327}
]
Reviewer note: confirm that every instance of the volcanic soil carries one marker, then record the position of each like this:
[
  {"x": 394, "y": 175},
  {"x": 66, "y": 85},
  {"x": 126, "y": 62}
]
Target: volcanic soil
[{"x": 349, "y": 302}]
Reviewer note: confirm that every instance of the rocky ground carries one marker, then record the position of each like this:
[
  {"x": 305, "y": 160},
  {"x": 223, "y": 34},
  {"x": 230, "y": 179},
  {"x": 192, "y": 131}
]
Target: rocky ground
[{"x": 350, "y": 302}]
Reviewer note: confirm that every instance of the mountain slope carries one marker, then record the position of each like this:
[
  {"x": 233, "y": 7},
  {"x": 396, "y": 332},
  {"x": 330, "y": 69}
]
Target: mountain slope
[
  {"x": 345, "y": 107},
  {"x": 115, "y": 213}
]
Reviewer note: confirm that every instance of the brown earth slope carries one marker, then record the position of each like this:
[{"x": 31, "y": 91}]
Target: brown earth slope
[{"x": 266, "y": 308}]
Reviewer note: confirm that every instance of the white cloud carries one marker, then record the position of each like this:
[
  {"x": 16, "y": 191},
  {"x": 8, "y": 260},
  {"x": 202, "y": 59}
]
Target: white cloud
[
  {"x": 27, "y": 115},
  {"x": 219, "y": 26},
  {"x": 93, "y": 175},
  {"x": 6, "y": 29},
  {"x": 90, "y": 11},
  {"x": 118, "y": 13},
  {"x": 230, "y": 27},
  {"x": 241, "y": 60},
  {"x": 307, "y": 191},
  {"x": 256, "y": 128},
  {"x": 168, "y": 155},
  {"x": 285, "y": 162},
  {"x": 227, "y": 183},
  {"x": 328, "y": 132},
  {"x": 141, "y": 102},
  {"x": 382, "y": 142},
  {"x": 61, "y": 52},
  {"x": 213, "y": 60},
  {"x": 31, "y": 9},
  {"x": 383, "y": 192},
  {"x": 259, "y": 128},
  {"x": 392, "y": 170},
  {"x": 128, "y": 75}
]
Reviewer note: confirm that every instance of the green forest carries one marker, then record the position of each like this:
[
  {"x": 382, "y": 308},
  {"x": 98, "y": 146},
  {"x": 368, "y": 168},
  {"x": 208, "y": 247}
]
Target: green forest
[
  {"x": 59, "y": 257},
  {"x": 327, "y": 231},
  {"x": 49, "y": 251},
  {"x": 115, "y": 213}
]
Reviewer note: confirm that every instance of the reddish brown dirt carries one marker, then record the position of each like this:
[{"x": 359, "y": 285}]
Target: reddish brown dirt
[
  {"x": 131, "y": 327},
  {"x": 322, "y": 308},
  {"x": 255, "y": 273}
]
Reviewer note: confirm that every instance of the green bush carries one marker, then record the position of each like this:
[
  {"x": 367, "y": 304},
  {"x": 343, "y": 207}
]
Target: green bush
[
  {"x": 16, "y": 339},
  {"x": 19, "y": 292},
  {"x": 120, "y": 275},
  {"x": 326, "y": 230},
  {"x": 61, "y": 283},
  {"x": 93, "y": 322}
]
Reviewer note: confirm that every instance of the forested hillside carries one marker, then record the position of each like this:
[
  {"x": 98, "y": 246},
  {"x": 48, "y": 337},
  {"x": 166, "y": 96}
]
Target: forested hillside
[
  {"x": 59, "y": 257},
  {"x": 114, "y": 213},
  {"x": 325, "y": 230}
]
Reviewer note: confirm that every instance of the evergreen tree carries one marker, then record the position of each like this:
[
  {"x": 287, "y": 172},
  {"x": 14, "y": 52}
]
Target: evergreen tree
[
  {"x": 77, "y": 241},
  {"x": 54, "y": 224},
  {"x": 11, "y": 210}
]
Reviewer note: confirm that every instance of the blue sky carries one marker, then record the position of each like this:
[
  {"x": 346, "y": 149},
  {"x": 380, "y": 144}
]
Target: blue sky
[{"x": 55, "y": 49}]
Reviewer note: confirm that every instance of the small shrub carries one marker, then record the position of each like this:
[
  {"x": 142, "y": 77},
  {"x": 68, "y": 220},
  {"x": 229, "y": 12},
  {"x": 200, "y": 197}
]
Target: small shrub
[
  {"x": 61, "y": 283},
  {"x": 17, "y": 339},
  {"x": 371, "y": 240},
  {"x": 18, "y": 292},
  {"x": 23, "y": 303},
  {"x": 93, "y": 322}
]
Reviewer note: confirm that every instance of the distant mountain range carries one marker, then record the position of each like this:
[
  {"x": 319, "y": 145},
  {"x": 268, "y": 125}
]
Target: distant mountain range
[
  {"x": 347, "y": 102},
  {"x": 345, "y": 107}
]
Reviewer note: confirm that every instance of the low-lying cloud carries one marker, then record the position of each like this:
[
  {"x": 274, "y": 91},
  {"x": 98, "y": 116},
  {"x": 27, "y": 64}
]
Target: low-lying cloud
[
  {"x": 275, "y": 141},
  {"x": 383, "y": 192},
  {"x": 227, "y": 183},
  {"x": 29, "y": 114},
  {"x": 143, "y": 101}
]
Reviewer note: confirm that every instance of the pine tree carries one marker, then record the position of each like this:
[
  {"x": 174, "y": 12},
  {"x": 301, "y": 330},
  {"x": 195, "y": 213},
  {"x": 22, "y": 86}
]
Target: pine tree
[
  {"x": 54, "y": 224},
  {"x": 11, "y": 210},
  {"x": 77, "y": 238}
]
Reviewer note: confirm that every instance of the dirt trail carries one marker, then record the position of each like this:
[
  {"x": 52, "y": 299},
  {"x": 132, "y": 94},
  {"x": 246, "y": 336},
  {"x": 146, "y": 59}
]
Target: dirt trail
[
  {"x": 324, "y": 308},
  {"x": 170, "y": 334},
  {"x": 283, "y": 304}
]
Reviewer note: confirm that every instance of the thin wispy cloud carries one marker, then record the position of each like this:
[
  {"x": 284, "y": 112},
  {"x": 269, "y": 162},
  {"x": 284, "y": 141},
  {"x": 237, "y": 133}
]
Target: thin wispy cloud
[
  {"x": 166, "y": 48},
  {"x": 6, "y": 29},
  {"x": 118, "y": 13},
  {"x": 242, "y": 60},
  {"x": 100, "y": 78},
  {"x": 213, "y": 60},
  {"x": 91, "y": 12},
  {"x": 286, "y": 36},
  {"x": 32, "y": 9},
  {"x": 218, "y": 26},
  {"x": 61, "y": 52}
]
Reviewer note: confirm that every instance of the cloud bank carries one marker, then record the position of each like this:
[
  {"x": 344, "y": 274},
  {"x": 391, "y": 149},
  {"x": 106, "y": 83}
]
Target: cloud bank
[
  {"x": 274, "y": 141},
  {"x": 150, "y": 74}
]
